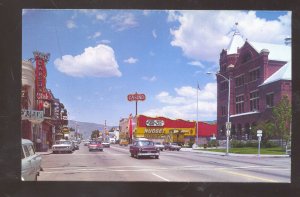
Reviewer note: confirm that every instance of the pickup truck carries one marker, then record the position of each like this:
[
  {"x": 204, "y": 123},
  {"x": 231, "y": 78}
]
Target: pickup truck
[
  {"x": 172, "y": 146},
  {"x": 141, "y": 148}
]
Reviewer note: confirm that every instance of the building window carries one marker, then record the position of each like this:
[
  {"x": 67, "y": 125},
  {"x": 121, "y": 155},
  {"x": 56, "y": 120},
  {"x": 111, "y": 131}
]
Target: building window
[
  {"x": 270, "y": 99},
  {"x": 254, "y": 75},
  {"x": 239, "y": 81},
  {"x": 239, "y": 104},
  {"x": 224, "y": 86},
  {"x": 223, "y": 110},
  {"x": 254, "y": 101}
]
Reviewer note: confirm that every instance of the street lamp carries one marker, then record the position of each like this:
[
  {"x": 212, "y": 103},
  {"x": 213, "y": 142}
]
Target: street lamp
[{"x": 228, "y": 104}]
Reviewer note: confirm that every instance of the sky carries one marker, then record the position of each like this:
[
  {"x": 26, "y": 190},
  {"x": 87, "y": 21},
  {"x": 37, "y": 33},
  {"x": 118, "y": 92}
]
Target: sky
[{"x": 98, "y": 57}]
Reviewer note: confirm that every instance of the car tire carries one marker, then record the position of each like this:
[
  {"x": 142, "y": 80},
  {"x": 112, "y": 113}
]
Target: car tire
[
  {"x": 177, "y": 149},
  {"x": 156, "y": 157}
]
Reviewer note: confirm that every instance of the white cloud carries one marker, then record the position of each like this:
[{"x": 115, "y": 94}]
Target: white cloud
[
  {"x": 154, "y": 33},
  {"x": 146, "y": 12},
  {"x": 196, "y": 63},
  {"x": 101, "y": 16},
  {"x": 131, "y": 60},
  {"x": 123, "y": 21},
  {"x": 203, "y": 34},
  {"x": 96, "y": 61},
  {"x": 96, "y": 35},
  {"x": 183, "y": 105},
  {"x": 71, "y": 24},
  {"x": 151, "y": 79}
]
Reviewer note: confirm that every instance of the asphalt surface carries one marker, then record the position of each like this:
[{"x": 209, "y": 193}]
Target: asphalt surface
[{"x": 186, "y": 165}]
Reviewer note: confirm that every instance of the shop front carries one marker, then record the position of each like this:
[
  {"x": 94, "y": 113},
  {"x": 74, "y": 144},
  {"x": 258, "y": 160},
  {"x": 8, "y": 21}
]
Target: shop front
[{"x": 164, "y": 130}]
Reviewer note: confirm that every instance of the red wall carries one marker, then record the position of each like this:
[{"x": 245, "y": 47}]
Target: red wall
[{"x": 206, "y": 130}]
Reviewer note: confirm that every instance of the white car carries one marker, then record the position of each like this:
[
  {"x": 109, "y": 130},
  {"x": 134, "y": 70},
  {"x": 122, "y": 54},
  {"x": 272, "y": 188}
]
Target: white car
[
  {"x": 159, "y": 146},
  {"x": 112, "y": 140},
  {"x": 62, "y": 146},
  {"x": 31, "y": 162}
]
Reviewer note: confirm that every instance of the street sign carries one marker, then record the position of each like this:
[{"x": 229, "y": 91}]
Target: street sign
[
  {"x": 228, "y": 132},
  {"x": 228, "y": 125},
  {"x": 259, "y": 134},
  {"x": 259, "y": 131},
  {"x": 136, "y": 97}
]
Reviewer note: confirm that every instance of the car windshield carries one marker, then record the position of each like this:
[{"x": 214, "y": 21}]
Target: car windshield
[
  {"x": 62, "y": 142},
  {"x": 158, "y": 143},
  {"x": 174, "y": 143},
  {"x": 146, "y": 143}
]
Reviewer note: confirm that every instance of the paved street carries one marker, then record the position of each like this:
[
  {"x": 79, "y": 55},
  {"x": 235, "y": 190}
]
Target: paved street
[{"x": 115, "y": 164}]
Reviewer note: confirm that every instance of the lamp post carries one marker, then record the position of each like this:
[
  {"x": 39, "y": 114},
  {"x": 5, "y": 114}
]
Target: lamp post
[{"x": 228, "y": 104}]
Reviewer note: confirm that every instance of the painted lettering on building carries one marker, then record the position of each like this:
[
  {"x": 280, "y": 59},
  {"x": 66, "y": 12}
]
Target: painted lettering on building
[{"x": 155, "y": 123}]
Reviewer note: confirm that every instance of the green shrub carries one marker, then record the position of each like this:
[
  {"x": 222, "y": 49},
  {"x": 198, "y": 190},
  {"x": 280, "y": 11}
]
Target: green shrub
[
  {"x": 237, "y": 144},
  {"x": 269, "y": 144},
  {"x": 213, "y": 143}
]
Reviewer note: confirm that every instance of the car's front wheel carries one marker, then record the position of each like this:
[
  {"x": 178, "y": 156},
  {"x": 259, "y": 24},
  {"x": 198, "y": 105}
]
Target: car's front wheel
[{"x": 156, "y": 157}]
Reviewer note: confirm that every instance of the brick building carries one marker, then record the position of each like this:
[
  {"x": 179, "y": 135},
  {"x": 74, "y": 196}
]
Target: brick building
[{"x": 260, "y": 75}]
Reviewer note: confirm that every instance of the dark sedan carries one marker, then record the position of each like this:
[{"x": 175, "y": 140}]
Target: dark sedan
[{"x": 143, "y": 148}]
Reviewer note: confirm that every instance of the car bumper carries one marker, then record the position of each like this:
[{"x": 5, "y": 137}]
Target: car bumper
[
  {"x": 148, "y": 154},
  {"x": 61, "y": 150}
]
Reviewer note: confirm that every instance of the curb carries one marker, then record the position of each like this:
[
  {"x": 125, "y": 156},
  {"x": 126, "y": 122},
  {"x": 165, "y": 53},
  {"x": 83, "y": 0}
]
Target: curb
[
  {"x": 44, "y": 153},
  {"x": 233, "y": 154}
]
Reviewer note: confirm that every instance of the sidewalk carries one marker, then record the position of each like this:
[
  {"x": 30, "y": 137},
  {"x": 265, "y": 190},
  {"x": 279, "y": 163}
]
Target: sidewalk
[
  {"x": 203, "y": 151},
  {"x": 45, "y": 152}
]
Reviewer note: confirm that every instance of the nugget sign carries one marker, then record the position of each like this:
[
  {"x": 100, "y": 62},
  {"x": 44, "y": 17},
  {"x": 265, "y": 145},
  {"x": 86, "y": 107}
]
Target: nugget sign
[{"x": 136, "y": 97}]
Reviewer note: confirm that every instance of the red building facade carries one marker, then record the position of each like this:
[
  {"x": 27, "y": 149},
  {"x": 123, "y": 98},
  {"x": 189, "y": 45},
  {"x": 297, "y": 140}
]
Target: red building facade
[{"x": 260, "y": 75}]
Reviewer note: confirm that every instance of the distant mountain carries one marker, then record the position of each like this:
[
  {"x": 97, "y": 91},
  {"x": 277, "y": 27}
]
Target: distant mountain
[
  {"x": 86, "y": 128},
  {"x": 211, "y": 122}
]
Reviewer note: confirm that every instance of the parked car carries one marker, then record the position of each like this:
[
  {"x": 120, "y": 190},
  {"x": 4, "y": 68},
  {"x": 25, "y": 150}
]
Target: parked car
[
  {"x": 31, "y": 162},
  {"x": 62, "y": 146},
  {"x": 76, "y": 145},
  {"x": 159, "y": 146},
  {"x": 172, "y": 146},
  {"x": 123, "y": 142},
  {"x": 95, "y": 145},
  {"x": 145, "y": 148},
  {"x": 106, "y": 144},
  {"x": 86, "y": 143},
  {"x": 112, "y": 140}
]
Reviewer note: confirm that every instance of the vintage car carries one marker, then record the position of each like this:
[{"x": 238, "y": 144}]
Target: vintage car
[
  {"x": 95, "y": 145},
  {"x": 141, "y": 148},
  {"x": 106, "y": 144},
  {"x": 159, "y": 146},
  {"x": 76, "y": 145},
  {"x": 61, "y": 146},
  {"x": 172, "y": 146},
  {"x": 31, "y": 162}
]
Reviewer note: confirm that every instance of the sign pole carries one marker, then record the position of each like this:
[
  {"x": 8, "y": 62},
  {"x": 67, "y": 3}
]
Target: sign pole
[{"x": 259, "y": 134}]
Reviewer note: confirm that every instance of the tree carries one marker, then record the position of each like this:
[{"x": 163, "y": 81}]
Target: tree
[
  {"x": 267, "y": 128},
  {"x": 282, "y": 116},
  {"x": 95, "y": 134}
]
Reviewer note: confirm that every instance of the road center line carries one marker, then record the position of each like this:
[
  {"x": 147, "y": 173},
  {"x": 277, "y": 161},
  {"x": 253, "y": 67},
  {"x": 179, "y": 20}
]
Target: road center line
[
  {"x": 161, "y": 177},
  {"x": 246, "y": 175}
]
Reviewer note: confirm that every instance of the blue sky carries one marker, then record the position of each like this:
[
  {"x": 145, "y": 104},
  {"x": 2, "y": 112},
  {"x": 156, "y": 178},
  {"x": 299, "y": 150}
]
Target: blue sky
[{"x": 98, "y": 57}]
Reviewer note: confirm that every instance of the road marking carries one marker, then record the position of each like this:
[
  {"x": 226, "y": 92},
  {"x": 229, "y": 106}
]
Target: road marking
[
  {"x": 246, "y": 175},
  {"x": 161, "y": 177}
]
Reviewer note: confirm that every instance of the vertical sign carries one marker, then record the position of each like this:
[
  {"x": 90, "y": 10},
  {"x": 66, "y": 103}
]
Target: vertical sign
[{"x": 40, "y": 77}]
